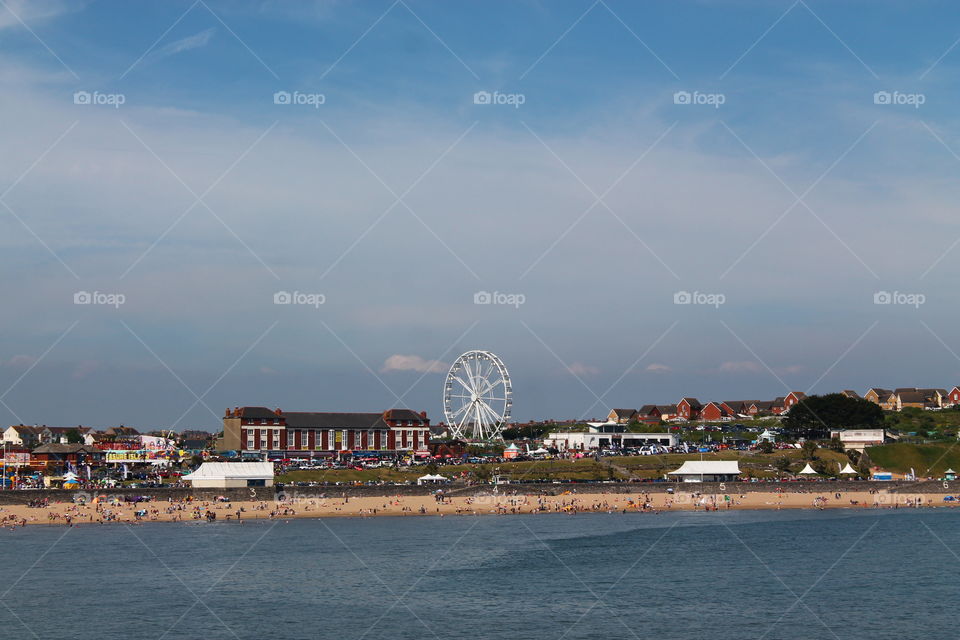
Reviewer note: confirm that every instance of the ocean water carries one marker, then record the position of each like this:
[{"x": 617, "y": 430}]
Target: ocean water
[{"x": 778, "y": 575}]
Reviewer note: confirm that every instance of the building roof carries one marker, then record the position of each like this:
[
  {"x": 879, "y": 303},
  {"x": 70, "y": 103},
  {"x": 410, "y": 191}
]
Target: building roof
[
  {"x": 708, "y": 468},
  {"x": 693, "y": 402},
  {"x": 56, "y": 447},
  {"x": 850, "y": 393},
  {"x": 667, "y": 408},
  {"x": 624, "y": 413},
  {"x": 912, "y": 396},
  {"x": 232, "y": 470},
  {"x": 330, "y": 420},
  {"x": 647, "y": 409}
]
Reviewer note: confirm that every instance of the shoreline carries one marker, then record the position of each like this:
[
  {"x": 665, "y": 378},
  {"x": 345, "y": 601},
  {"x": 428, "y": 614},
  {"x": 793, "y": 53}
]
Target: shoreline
[{"x": 316, "y": 506}]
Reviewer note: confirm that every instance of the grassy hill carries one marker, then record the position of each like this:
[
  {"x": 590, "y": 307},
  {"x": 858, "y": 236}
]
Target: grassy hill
[{"x": 925, "y": 459}]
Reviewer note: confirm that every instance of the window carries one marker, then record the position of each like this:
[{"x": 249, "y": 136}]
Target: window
[
  {"x": 276, "y": 438},
  {"x": 371, "y": 443},
  {"x": 263, "y": 438},
  {"x": 250, "y": 444},
  {"x": 291, "y": 439},
  {"x": 304, "y": 440}
]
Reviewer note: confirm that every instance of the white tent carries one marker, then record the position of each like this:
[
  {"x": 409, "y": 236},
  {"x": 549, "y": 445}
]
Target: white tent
[
  {"x": 848, "y": 469},
  {"x": 808, "y": 470},
  {"x": 223, "y": 475},
  {"x": 707, "y": 471},
  {"x": 430, "y": 478}
]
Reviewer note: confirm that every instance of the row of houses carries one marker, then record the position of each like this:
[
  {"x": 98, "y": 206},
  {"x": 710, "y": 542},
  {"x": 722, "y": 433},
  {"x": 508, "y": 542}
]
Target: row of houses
[
  {"x": 691, "y": 409},
  {"x": 898, "y": 399}
]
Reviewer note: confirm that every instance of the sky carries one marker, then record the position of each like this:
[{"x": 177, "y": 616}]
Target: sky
[{"x": 726, "y": 200}]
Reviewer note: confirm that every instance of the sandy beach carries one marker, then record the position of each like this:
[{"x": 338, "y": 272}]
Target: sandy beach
[{"x": 313, "y": 505}]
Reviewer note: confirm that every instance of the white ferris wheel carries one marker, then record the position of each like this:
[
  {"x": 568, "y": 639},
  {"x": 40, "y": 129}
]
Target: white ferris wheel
[{"x": 477, "y": 396}]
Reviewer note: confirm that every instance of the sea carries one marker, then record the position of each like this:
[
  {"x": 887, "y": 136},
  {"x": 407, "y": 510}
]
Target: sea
[{"x": 836, "y": 574}]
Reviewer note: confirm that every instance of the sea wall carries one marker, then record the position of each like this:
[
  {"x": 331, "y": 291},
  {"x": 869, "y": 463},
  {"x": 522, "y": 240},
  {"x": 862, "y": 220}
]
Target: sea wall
[{"x": 332, "y": 491}]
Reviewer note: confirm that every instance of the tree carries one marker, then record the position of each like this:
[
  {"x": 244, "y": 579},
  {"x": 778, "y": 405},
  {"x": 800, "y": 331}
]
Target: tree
[
  {"x": 766, "y": 447},
  {"x": 782, "y": 464},
  {"x": 809, "y": 448},
  {"x": 74, "y": 437},
  {"x": 815, "y": 416}
]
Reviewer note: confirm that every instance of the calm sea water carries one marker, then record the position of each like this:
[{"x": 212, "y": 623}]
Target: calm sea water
[{"x": 777, "y": 575}]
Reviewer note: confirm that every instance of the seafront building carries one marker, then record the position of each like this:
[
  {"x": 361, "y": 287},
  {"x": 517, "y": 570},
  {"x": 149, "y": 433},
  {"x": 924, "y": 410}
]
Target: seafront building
[
  {"x": 603, "y": 435},
  {"x": 275, "y": 432}
]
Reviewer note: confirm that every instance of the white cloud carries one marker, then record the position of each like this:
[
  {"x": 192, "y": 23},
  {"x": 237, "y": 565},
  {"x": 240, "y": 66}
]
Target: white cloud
[
  {"x": 399, "y": 362},
  {"x": 580, "y": 369},
  {"x": 21, "y": 361},
  {"x": 658, "y": 368}
]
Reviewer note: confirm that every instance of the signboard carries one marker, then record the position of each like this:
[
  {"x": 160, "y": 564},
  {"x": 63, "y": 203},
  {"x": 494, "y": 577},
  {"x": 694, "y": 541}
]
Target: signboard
[
  {"x": 137, "y": 455},
  {"x": 17, "y": 458}
]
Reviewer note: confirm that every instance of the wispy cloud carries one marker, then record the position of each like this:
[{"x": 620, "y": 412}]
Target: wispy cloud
[
  {"x": 398, "y": 362},
  {"x": 580, "y": 369},
  {"x": 195, "y": 41},
  {"x": 658, "y": 368}
]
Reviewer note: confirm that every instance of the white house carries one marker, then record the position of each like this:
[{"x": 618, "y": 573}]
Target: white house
[
  {"x": 227, "y": 475},
  {"x": 707, "y": 471},
  {"x": 859, "y": 439}
]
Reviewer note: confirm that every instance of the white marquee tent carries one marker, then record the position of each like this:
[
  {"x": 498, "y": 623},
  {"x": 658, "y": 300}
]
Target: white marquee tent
[
  {"x": 430, "y": 478},
  {"x": 225, "y": 475},
  {"x": 707, "y": 471},
  {"x": 808, "y": 470}
]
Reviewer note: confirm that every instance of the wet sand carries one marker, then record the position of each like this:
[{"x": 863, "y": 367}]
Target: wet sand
[{"x": 312, "y": 505}]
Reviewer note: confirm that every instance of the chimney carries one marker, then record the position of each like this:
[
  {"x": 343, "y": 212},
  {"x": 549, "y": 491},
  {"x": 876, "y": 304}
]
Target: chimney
[
  {"x": 278, "y": 411},
  {"x": 423, "y": 414}
]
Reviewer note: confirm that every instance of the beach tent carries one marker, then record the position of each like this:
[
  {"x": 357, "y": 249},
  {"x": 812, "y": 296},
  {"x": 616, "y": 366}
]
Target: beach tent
[
  {"x": 224, "y": 475},
  {"x": 808, "y": 470},
  {"x": 848, "y": 469},
  {"x": 430, "y": 478},
  {"x": 949, "y": 474}
]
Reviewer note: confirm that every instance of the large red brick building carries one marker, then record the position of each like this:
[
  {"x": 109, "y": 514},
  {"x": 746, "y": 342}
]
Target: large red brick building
[{"x": 293, "y": 434}]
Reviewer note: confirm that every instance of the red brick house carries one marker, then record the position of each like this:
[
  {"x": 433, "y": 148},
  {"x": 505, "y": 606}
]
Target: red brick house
[
  {"x": 649, "y": 413},
  {"x": 300, "y": 433},
  {"x": 714, "y": 411},
  {"x": 954, "y": 396},
  {"x": 689, "y": 409},
  {"x": 791, "y": 399}
]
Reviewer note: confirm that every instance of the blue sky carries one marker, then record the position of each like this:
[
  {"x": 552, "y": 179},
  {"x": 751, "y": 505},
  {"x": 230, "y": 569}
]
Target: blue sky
[{"x": 600, "y": 196}]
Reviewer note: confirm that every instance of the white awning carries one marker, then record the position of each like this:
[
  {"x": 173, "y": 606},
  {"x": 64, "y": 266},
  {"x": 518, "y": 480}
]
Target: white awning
[{"x": 708, "y": 468}]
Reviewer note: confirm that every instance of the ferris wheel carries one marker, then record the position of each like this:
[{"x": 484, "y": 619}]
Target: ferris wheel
[{"x": 477, "y": 396}]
